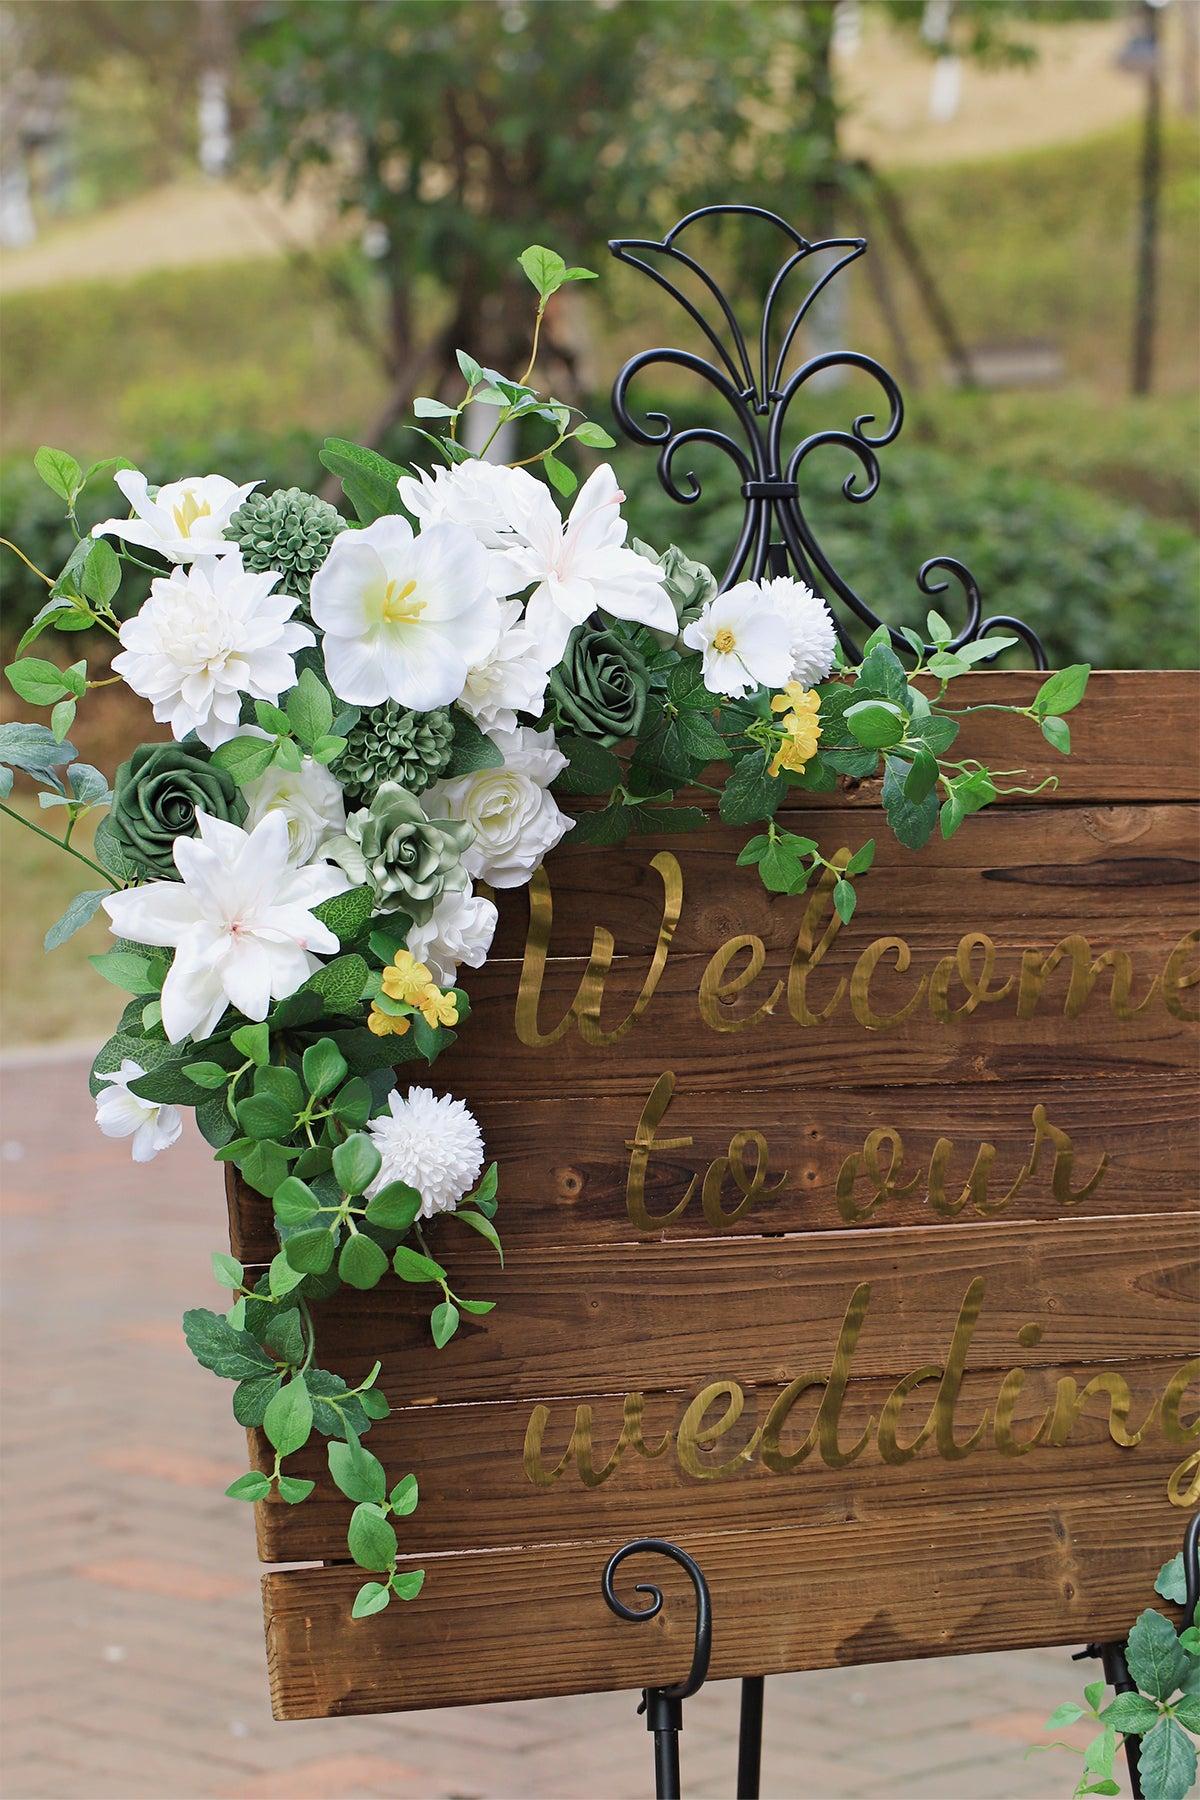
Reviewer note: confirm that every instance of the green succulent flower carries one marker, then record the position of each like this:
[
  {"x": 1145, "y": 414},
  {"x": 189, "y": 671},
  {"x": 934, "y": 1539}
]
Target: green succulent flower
[
  {"x": 391, "y": 743},
  {"x": 690, "y": 585},
  {"x": 599, "y": 688},
  {"x": 290, "y": 531},
  {"x": 408, "y": 860},
  {"x": 155, "y": 798}
]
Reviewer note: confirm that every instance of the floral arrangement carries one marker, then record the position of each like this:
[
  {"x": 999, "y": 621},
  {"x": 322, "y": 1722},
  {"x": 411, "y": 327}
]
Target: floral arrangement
[{"x": 375, "y": 722}]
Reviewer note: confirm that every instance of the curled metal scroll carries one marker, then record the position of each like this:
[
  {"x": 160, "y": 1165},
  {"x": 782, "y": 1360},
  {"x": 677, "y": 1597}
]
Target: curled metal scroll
[
  {"x": 703, "y": 1642},
  {"x": 757, "y": 391}
]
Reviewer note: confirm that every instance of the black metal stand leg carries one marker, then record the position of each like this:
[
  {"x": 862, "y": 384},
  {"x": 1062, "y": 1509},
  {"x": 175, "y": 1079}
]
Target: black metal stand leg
[
  {"x": 749, "y": 1769},
  {"x": 663, "y": 1706}
]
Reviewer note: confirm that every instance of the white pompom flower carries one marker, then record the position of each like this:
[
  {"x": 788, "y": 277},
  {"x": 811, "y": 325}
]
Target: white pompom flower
[
  {"x": 813, "y": 637},
  {"x": 181, "y": 520},
  {"x": 746, "y": 642},
  {"x": 404, "y": 617},
  {"x": 432, "y": 1142},
  {"x": 206, "y": 636},
  {"x": 121, "y": 1114}
]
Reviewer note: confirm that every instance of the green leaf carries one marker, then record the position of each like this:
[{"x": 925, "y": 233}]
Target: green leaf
[
  {"x": 594, "y": 436},
  {"x": 750, "y": 793},
  {"x": 408, "y": 1584},
  {"x": 1062, "y": 691},
  {"x": 1131, "y": 1713},
  {"x": 862, "y": 859},
  {"x": 244, "y": 758},
  {"x": 311, "y": 1251},
  {"x": 327, "y": 749},
  {"x": 288, "y": 1419},
  {"x": 753, "y": 850},
  {"x": 946, "y": 665},
  {"x": 882, "y": 672},
  {"x": 410, "y": 1265},
  {"x": 395, "y": 1207},
  {"x": 1156, "y": 1660},
  {"x": 264, "y": 1167},
  {"x": 912, "y": 824},
  {"x": 356, "y": 1163},
  {"x": 609, "y": 825},
  {"x": 484, "y": 1227},
  {"x": 38, "y": 681},
  {"x": 544, "y": 268},
  {"x": 935, "y": 731},
  {"x": 559, "y": 475},
  {"x": 371, "y": 1538},
  {"x": 845, "y": 900},
  {"x": 1066, "y": 1714},
  {"x": 700, "y": 737},
  {"x": 472, "y": 374},
  {"x": 922, "y": 777},
  {"x": 206, "y": 1074},
  {"x": 1167, "y": 1762},
  {"x": 265, "y": 1116},
  {"x": 293, "y": 1489},
  {"x": 1093, "y": 1693},
  {"x": 251, "y": 1486},
  {"x": 233, "y": 1355},
  {"x": 281, "y": 1279},
  {"x": 346, "y": 914},
  {"x": 1057, "y": 733},
  {"x": 368, "y": 479},
  {"x": 1100, "y": 1752},
  {"x": 371, "y": 1597},
  {"x": 937, "y": 628},
  {"x": 352, "y": 1104},
  {"x": 484, "y": 1196},
  {"x": 101, "y": 575},
  {"x": 309, "y": 708},
  {"x": 227, "y": 1270},
  {"x": 1187, "y": 1711},
  {"x": 591, "y": 768},
  {"x": 324, "y": 1067},
  {"x": 281, "y": 1084},
  {"x": 403, "y": 1497},
  {"x": 60, "y": 472},
  {"x": 362, "y": 1264},
  {"x": 82, "y": 908},
  {"x": 358, "y": 1474},
  {"x": 1171, "y": 1580},
  {"x": 443, "y": 1322},
  {"x": 875, "y": 724},
  {"x": 125, "y": 969},
  {"x": 254, "y": 1041},
  {"x": 251, "y": 1397},
  {"x": 984, "y": 648},
  {"x": 778, "y": 867},
  {"x": 425, "y": 408}
]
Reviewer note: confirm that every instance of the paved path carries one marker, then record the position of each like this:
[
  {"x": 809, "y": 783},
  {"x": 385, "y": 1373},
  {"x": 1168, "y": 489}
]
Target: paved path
[{"x": 133, "y": 1656}]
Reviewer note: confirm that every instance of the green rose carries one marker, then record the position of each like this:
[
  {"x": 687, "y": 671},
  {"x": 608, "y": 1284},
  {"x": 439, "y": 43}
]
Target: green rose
[
  {"x": 408, "y": 860},
  {"x": 156, "y": 795},
  {"x": 689, "y": 584},
  {"x": 599, "y": 688}
]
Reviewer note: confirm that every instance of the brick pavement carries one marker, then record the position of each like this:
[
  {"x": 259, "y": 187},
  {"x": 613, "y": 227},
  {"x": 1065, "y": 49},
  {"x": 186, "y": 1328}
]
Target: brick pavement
[{"x": 132, "y": 1638}]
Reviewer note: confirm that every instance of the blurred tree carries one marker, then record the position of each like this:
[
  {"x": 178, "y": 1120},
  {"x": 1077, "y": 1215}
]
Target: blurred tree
[{"x": 458, "y": 131}]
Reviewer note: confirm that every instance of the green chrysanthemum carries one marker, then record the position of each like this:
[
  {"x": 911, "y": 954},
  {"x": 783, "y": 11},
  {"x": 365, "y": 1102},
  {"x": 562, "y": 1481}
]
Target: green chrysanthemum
[
  {"x": 391, "y": 743},
  {"x": 290, "y": 531}
]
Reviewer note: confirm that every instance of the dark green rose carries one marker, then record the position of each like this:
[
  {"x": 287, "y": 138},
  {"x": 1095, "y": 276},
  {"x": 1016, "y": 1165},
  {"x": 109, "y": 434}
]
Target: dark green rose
[
  {"x": 155, "y": 797},
  {"x": 599, "y": 688}
]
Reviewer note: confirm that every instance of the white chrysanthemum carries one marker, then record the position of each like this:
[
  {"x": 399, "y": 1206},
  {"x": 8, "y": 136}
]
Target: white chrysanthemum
[
  {"x": 432, "y": 1142},
  {"x": 483, "y": 496},
  {"x": 310, "y": 800},
  {"x": 182, "y": 520},
  {"x": 510, "y": 679},
  {"x": 460, "y": 929},
  {"x": 745, "y": 641},
  {"x": 122, "y": 1114},
  {"x": 206, "y": 636},
  {"x": 814, "y": 640},
  {"x": 515, "y": 817}
]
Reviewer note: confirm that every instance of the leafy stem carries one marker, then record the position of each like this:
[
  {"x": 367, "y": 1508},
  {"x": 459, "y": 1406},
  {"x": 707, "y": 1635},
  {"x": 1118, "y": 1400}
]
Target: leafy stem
[{"x": 62, "y": 843}]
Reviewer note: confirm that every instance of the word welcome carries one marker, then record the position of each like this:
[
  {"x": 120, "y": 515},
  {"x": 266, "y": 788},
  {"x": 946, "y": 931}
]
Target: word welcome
[
  {"x": 959, "y": 984},
  {"x": 713, "y": 1413}
]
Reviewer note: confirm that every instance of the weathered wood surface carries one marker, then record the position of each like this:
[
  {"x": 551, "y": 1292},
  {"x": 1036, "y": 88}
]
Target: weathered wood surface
[
  {"x": 883, "y": 1583},
  {"x": 836, "y": 1559}
]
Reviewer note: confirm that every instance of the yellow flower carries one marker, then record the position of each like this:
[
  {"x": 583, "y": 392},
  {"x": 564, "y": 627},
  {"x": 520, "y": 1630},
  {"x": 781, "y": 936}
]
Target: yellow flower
[
  {"x": 437, "y": 1008},
  {"x": 384, "y": 1025},
  {"x": 405, "y": 978},
  {"x": 800, "y": 726}
]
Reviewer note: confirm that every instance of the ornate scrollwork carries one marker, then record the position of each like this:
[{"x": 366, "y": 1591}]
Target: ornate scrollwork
[{"x": 758, "y": 392}]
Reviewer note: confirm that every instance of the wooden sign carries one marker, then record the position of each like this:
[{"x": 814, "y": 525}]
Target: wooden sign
[{"x": 859, "y": 1260}]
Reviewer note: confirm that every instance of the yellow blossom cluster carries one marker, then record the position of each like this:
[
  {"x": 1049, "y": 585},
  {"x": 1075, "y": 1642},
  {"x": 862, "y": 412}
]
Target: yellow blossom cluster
[
  {"x": 801, "y": 728},
  {"x": 410, "y": 982}
]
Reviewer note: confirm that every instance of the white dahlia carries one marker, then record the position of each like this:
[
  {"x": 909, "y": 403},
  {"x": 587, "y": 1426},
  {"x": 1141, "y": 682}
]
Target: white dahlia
[
  {"x": 206, "y": 636},
  {"x": 432, "y": 1142}
]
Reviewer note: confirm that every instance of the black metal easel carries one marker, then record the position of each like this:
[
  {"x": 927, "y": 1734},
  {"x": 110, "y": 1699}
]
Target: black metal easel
[{"x": 775, "y": 535}]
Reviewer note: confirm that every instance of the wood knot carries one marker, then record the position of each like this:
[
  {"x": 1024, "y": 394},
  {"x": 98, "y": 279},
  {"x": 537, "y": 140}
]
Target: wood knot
[{"x": 570, "y": 1183}]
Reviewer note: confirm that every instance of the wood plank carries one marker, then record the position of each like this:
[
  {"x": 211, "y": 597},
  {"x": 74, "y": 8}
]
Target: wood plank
[
  {"x": 469, "y": 1461},
  {"x": 883, "y": 1583},
  {"x": 564, "y": 1170},
  {"x": 1030, "y": 871},
  {"x": 575, "y": 1319}
]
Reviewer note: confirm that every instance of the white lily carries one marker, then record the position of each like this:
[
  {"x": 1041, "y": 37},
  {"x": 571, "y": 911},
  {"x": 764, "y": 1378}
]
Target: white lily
[
  {"x": 583, "y": 564},
  {"x": 239, "y": 920},
  {"x": 182, "y": 520},
  {"x": 121, "y": 1114},
  {"x": 404, "y": 617}
]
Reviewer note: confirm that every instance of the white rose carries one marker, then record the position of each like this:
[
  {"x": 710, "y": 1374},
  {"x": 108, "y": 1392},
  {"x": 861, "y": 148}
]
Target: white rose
[
  {"x": 309, "y": 799},
  {"x": 510, "y": 679},
  {"x": 458, "y": 930},
  {"x": 515, "y": 818}
]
